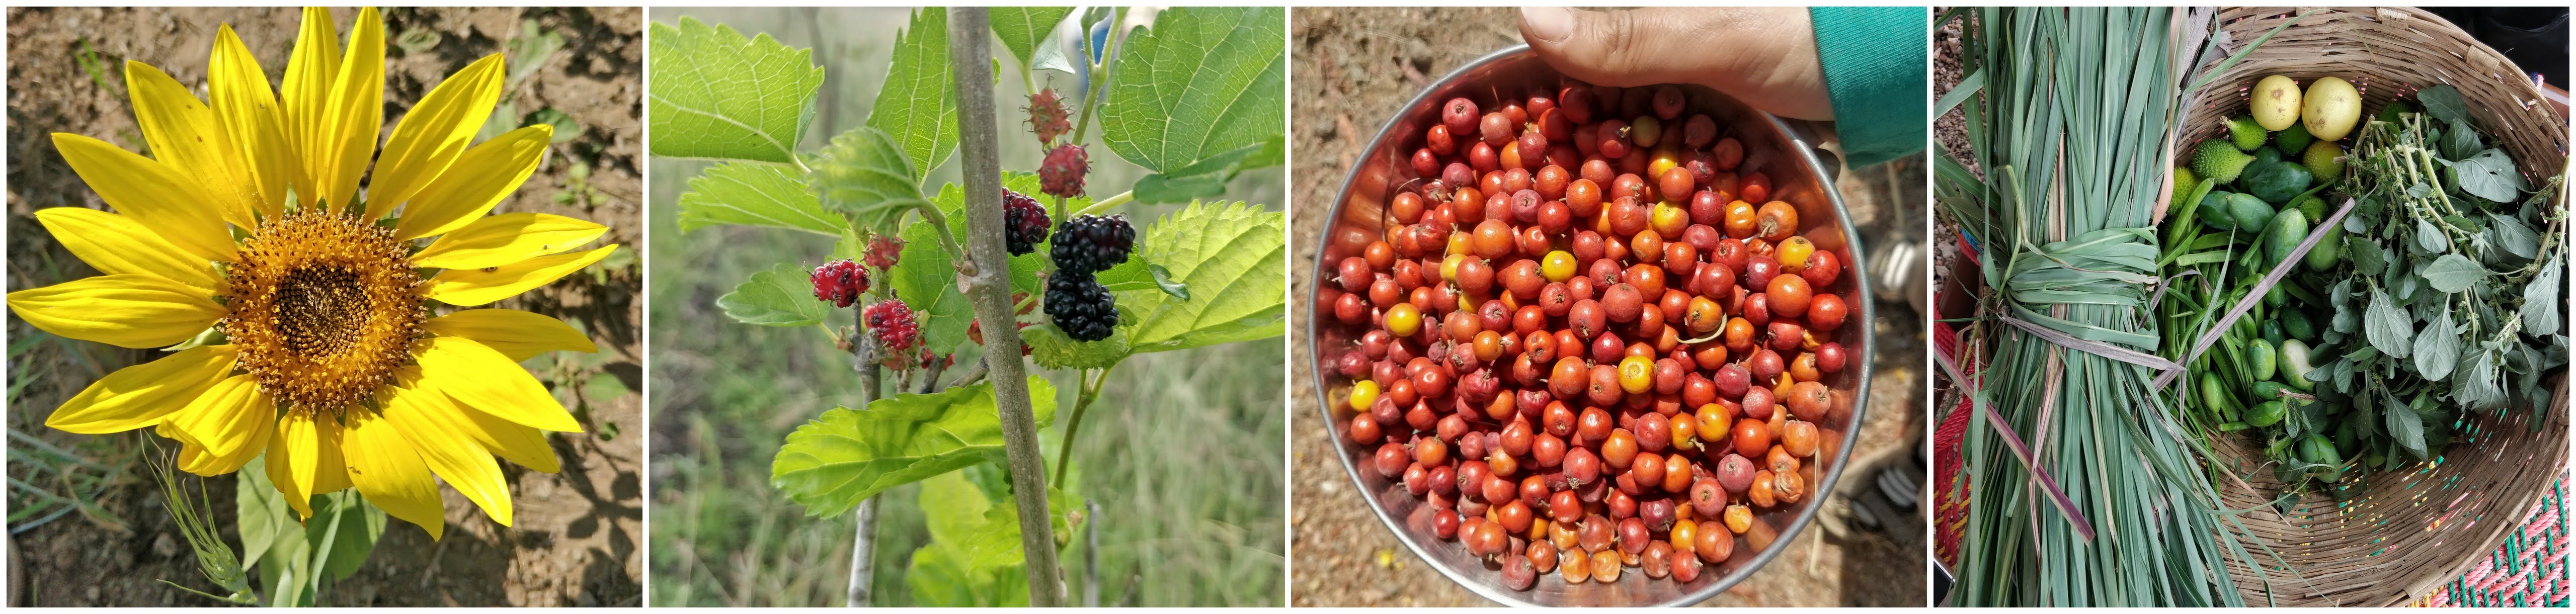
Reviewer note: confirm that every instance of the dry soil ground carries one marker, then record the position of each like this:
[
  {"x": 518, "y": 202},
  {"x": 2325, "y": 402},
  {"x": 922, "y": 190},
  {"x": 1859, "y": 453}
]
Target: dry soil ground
[
  {"x": 1352, "y": 68},
  {"x": 577, "y": 531}
]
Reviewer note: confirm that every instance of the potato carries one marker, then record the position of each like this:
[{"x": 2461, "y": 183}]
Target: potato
[
  {"x": 2275, "y": 102},
  {"x": 2330, "y": 108}
]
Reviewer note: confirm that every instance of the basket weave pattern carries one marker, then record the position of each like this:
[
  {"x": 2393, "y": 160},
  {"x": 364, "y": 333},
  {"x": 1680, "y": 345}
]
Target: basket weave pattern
[
  {"x": 2391, "y": 537},
  {"x": 2529, "y": 570}
]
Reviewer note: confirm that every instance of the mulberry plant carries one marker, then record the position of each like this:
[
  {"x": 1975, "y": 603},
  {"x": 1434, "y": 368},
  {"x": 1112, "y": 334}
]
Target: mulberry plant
[{"x": 968, "y": 254}]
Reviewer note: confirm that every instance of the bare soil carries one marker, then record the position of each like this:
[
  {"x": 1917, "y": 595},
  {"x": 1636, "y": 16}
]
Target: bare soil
[
  {"x": 1352, "y": 68},
  {"x": 577, "y": 531}
]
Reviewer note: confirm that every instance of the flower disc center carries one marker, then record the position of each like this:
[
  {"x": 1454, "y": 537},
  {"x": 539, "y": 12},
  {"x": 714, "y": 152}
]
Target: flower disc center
[{"x": 324, "y": 307}]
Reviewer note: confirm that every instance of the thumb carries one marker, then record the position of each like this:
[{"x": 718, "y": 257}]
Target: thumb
[{"x": 1765, "y": 57}]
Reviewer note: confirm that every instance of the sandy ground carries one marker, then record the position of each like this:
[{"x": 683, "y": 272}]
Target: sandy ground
[
  {"x": 577, "y": 531},
  {"x": 1351, "y": 67}
]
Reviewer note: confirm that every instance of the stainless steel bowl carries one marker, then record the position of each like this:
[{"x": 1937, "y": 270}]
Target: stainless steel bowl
[{"x": 1799, "y": 175}]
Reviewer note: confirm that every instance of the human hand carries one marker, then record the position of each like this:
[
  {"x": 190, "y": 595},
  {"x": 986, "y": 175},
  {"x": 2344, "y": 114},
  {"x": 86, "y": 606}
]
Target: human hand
[{"x": 1763, "y": 56}]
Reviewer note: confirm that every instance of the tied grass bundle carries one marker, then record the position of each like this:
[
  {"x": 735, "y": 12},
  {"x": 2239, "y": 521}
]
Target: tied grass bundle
[{"x": 2071, "y": 132}]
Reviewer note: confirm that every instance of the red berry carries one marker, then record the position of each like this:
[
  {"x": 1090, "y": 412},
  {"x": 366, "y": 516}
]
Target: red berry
[
  {"x": 839, "y": 282},
  {"x": 1061, "y": 174},
  {"x": 892, "y": 323},
  {"x": 1047, "y": 116}
]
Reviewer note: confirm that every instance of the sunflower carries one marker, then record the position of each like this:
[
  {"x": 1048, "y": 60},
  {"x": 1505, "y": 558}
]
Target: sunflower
[{"x": 298, "y": 306}]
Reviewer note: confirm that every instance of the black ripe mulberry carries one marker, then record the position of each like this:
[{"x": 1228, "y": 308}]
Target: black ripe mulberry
[
  {"x": 1080, "y": 306},
  {"x": 1024, "y": 222},
  {"x": 839, "y": 282},
  {"x": 892, "y": 323},
  {"x": 1090, "y": 244}
]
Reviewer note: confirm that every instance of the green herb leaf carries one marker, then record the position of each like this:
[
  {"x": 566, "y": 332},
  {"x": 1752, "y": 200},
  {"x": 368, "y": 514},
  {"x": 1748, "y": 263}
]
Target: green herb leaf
[
  {"x": 1201, "y": 82},
  {"x": 2452, "y": 273},
  {"x": 2443, "y": 102},
  {"x": 916, "y": 106},
  {"x": 1234, "y": 259},
  {"x": 2540, "y": 306},
  {"x": 754, "y": 194},
  {"x": 780, "y": 296},
  {"x": 846, "y": 455},
  {"x": 864, "y": 174},
  {"x": 2367, "y": 257},
  {"x": 2514, "y": 236},
  {"x": 2459, "y": 141},
  {"x": 2387, "y": 326},
  {"x": 1021, "y": 28},
  {"x": 2437, "y": 350},
  {"x": 2429, "y": 238},
  {"x": 2478, "y": 386},
  {"x": 2404, "y": 425},
  {"x": 717, "y": 94},
  {"x": 2490, "y": 175}
]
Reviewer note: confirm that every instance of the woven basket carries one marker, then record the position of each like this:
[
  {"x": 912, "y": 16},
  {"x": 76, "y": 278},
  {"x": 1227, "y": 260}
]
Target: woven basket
[{"x": 2400, "y": 535}]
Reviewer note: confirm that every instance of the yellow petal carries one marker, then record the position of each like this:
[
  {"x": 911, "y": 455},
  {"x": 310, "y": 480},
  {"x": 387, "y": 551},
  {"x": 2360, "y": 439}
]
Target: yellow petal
[
  {"x": 136, "y": 311},
  {"x": 142, "y": 395},
  {"x": 433, "y": 133},
  {"x": 310, "y": 71},
  {"x": 518, "y": 442},
  {"x": 354, "y": 116},
  {"x": 158, "y": 195},
  {"x": 470, "y": 287},
  {"x": 496, "y": 240},
  {"x": 484, "y": 379},
  {"x": 224, "y": 418},
  {"x": 304, "y": 460},
  {"x": 247, "y": 107},
  {"x": 182, "y": 133},
  {"x": 117, "y": 245},
  {"x": 193, "y": 459},
  {"x": 389, "y": 472},
  {"x": 440, "y": 433},
  {"x": 517, "y": 334},
  {"x": 479, "y": 179}
]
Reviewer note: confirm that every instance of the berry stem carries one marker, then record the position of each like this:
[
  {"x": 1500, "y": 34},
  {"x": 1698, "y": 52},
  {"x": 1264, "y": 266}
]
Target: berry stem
[
  {"x": 863, "y": 360},
  {"x": 970, "y": 50},
  {"x": 1101, "y": 68},
  {"x": 1073, "y": 425},
  {"x": 1106, "y": 203}
]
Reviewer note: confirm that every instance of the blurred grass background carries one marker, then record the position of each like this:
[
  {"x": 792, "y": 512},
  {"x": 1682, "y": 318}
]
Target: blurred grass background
[{"x": 1184, "y": 452}]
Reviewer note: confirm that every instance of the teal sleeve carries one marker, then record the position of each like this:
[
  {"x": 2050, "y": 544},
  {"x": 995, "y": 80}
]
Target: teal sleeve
[{"x": 1875, "y": 70}]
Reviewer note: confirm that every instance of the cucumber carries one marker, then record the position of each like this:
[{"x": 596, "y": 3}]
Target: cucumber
[
  {"x": 2294, "y": 363},
  {"x": 2212, "y": 392},
  {"x": 2296, "y": 325},
  {"x": 2284, "y": 232},
  {"x": 2267, "y": 413},
  {"x": 2251, "y": 213},
  {"x": 2329, "y": 250},
  {"x": 2259, "y": 359},
  {"x": 2317, "y": 449},
  {"x": 2270, "y": 329},
  {"x": 2213, "y": 211},
  {"x": 2269, "y": 391}
]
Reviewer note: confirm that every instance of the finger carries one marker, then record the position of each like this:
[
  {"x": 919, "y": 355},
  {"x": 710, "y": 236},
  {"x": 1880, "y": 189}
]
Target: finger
[{"x": 1765, "y": 57}]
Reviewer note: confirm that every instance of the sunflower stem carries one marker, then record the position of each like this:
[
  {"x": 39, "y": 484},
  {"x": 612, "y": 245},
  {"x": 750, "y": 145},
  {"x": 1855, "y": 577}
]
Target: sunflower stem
[{"x": 988, "y": 290}]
